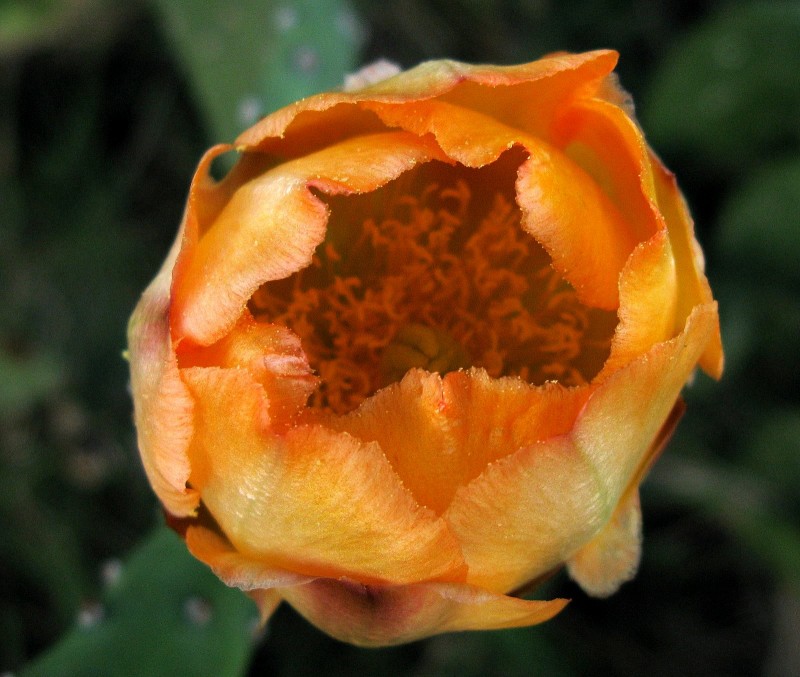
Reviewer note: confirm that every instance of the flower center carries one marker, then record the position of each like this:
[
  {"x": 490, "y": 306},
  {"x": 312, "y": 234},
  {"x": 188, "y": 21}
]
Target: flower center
[{"x": 442, "y": 277}]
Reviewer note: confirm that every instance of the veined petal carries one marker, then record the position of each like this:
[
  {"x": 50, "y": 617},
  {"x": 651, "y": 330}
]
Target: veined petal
[
  {"x": 368, "y": 615},
  {"x": 311, "y": 501},
  {"x": 612, "y": 557},
  {"x": 271, "y": 225},
  {"x": 534, "y": 509},
  {"x": 524, "y": 515}
]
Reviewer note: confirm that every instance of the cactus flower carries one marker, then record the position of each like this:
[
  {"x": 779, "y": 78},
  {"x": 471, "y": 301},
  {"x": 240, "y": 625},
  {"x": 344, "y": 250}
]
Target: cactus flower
[{"x": 418, "y": 348}]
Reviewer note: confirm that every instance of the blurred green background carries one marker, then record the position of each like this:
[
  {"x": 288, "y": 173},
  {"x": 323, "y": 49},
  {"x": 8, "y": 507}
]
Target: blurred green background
[{"x": 105, "y": 108}]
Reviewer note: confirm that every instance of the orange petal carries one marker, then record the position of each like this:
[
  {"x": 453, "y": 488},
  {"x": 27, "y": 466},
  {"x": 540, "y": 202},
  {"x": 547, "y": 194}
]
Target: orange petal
[
  {"x": 271, "y": 225},
  {"x": 380, "y": 615},
  {"x": 578, "y": 225},
  {"x": 238, "y": 570},
  {"x": 647, "y": 302},
  {"x": 541, "y": 86},
  {"x": 625, "y": 415},
  {"x": 693, "y": 288},
  {"x": 460, "y": 423},
  {"x": 164, "y": 408},
  {"x": 563, "y": 206},
  {"x": 273, "y": 356},
  {"x": 311, "y": 501},
  {"x": 607, "y": 144},
  {"x": 529, "y": 512}
]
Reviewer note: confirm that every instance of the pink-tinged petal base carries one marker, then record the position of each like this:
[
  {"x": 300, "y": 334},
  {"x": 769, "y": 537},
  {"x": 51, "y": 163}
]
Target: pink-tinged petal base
[
  {"x": 379, "y": 615},
  {"x": 367, "y": 614}
]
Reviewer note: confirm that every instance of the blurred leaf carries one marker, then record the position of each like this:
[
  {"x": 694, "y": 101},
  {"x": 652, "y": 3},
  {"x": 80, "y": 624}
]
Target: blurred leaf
[
  {"x": 773, "y": 450},
  {"x": 523, "y": 652},
  {"x": 744, "y": 504},
  {"x": 249, "y": 58},
  {"x": 24, "y": 381},
  {"x": 759, "y": 233},
  {"x": 41, "y": 561},
  {"x": 165, "y": 614},
  {"x": 23, "y": 21},
  {"x": 27, "y": 25},
  {"x": 760, "y": 324},
  {"x": 728, "y": 91}
]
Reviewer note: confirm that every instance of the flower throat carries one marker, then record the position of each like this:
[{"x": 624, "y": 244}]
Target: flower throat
[{"x": 434, "y": 271}]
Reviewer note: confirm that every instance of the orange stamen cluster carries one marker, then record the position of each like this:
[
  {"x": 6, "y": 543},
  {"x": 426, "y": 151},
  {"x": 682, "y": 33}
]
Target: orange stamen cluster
[{"x": 441, "y": 260}]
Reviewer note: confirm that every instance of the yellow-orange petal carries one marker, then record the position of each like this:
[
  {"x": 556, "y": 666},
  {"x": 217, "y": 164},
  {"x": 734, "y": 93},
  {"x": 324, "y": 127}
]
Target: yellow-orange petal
[
  {"x": 693, "y": 287},
  {"x": 271, "y": 225},
  {"x": 368, "y": 615},
  {"x": 441, "y": 432},
  {"x": 623, "y": 417},
  {"x": 526, "y": 514},
  {"x": 536, "y": 508},
  {"x": 311, "y": 501},
  {"x": 164, "y": 408},
  {"x": 234, "y": 568},
  {"x": 612, "y": 557}
]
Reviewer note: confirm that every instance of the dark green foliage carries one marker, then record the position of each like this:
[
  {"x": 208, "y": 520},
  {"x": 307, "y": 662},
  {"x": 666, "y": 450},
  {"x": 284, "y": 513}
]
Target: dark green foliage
[{"x": 162, "y": 613}]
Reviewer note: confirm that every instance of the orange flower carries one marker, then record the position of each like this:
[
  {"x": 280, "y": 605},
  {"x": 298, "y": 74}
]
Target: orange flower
[{"x": 419, "y": 347}]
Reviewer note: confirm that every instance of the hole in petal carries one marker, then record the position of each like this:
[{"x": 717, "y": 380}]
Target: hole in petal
[{"x": 434, "y": 271}]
